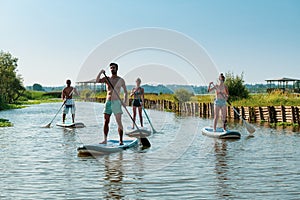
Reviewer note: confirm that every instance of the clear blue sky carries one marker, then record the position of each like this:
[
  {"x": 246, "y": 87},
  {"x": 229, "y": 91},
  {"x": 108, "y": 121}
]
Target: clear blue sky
[{"x": 52, "y": 38}]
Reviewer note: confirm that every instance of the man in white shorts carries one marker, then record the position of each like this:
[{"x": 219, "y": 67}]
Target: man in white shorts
[{"x": 67, "y": 96}]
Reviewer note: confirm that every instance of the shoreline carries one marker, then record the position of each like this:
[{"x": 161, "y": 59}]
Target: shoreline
[
  {"x": 274, "y": 115},
  {"x": 283, "y": 116}
]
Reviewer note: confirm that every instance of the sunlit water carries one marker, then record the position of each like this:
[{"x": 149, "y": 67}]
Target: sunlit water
[{"x": 42, "y": 163}]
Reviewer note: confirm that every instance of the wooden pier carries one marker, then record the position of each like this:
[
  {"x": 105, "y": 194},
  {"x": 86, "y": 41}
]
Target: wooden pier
[{"x": 271, "y": 114}]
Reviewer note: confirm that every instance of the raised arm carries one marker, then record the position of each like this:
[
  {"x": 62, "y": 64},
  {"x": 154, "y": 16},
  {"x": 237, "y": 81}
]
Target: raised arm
[
  {"x": 211, "y": 88},
  {"x": 100, "y": 80}
]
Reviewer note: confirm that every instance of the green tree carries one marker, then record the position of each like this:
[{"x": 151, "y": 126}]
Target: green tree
[
  {"x": 236, "y": 87},
  {"x": 11, "y": 87},
  {"x": 183, "y": 95},
  {"x": 37, "y": 87}
]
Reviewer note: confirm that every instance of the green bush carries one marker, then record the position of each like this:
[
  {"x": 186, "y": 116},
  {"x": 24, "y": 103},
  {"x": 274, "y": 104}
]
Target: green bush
[
  {"x": 183, "y": 95},
  {"x": 236, "y": 87},
  {"x": 5, "y": 123}
]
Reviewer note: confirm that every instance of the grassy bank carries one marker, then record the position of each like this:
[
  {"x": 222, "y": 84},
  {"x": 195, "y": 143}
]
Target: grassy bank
[
  {"x": 32, "y": 97},
  {"x": 37, "y": 97},
  {"x": 28, "y": 98},
  {"x": 272, "y": 99}
]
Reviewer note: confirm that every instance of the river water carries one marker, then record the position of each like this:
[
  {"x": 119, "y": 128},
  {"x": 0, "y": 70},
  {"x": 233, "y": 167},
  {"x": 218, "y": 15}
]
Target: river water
[{"x": 42, "y": 163}]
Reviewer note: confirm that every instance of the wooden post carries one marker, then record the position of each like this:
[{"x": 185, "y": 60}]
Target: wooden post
[
  {"x": 196, "y": 108},
  {"x": 297, "y": 117},
  {"x": 200, "y": 109},
  {"x": 272, "y": 114},
  {"x": 229, "y": 112},
  {"x": 288, "y": 114},
  {"x": 204, "y": 110}
]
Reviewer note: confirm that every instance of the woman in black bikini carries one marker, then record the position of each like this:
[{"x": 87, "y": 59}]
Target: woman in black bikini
[{"x": 138, "y": 93}]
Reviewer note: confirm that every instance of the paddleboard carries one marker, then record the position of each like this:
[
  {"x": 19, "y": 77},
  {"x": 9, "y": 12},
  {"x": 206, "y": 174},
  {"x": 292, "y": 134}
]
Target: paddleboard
[
  {"x": 70, "y": 125},
  {"x": 220, "y": 133},
  {"x": 141, "y": 133},
  {"x": 112, "y": 146}
]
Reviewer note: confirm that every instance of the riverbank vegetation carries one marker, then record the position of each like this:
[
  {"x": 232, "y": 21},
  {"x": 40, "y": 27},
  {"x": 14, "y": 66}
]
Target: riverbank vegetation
[
  {"x": 276, "y": 98},
  {"x": 5, "y": 123},
  {"x": 267, "y": 99},
  {"x": 11, "y": 86}
]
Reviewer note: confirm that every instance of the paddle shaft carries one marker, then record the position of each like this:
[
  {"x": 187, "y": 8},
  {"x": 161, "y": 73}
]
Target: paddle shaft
[
  {"x": 143, "y": 140},
  {"x": 154, "y": 131},
  {"x": 57, "y": 112}
]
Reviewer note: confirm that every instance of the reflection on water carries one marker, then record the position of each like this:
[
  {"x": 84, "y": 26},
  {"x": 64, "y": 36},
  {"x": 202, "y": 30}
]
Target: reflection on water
[
  {"x": 39, "y": 163},
  {"x": 113, "y": 177},
  {"x": 221, "y": 168}
]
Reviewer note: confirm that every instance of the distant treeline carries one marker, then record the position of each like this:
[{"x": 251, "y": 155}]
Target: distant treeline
[
  {"x": 161, "y": 89},
  {"x": 39, "y": 87}
]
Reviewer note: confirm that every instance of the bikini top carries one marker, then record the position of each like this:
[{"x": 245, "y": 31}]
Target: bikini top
[
  {"x": 220, "y": 90},
  {"x": 137, "y": 93}
]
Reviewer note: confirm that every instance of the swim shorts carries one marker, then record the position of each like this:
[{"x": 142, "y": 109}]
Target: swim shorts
[
  {"x": 113, "y": 106},
  {"x": 220, "y": 102},
  {"x": 70, "y": 104},
  {"x": 136, "y": 103}
]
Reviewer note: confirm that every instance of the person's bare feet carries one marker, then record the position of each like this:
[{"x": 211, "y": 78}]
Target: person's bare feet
[
  {"x": 103, "y": 142},
  {"x": 121, "y": 143}
]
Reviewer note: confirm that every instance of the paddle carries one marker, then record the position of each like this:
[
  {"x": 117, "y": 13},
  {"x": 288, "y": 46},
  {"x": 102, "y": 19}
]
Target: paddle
[
  {"x": 248, "y": 126},
  {"x": 153, "y": 130},
  {"x": 48, "y": 125},
  {"x": 144, "y": 141}
]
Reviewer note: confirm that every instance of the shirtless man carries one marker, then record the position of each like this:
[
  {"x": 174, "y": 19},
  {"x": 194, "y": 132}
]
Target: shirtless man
[
  {"x": 113, "y": 104},
  {"x": 67, "y": 95}
]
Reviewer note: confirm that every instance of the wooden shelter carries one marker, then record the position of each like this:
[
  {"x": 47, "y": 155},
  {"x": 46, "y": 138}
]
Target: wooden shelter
[
  {"x": 91, "y": 85},
  {"x": 284, "y": 84}
]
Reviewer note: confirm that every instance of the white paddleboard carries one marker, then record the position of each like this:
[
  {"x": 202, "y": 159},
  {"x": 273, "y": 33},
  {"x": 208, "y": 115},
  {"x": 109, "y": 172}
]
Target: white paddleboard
[
  {"x": 141, "y": 133},
  {"x": 112, "y": 146},
  {"x": 221, "y": 133},
  {"x": 70, "y": 125}
]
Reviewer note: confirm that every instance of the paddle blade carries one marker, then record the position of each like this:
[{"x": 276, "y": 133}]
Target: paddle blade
[
  {"x": 145, "y": 142},
  {"x": 140, "y": 133},
  {"x": 47, "y": 126},
  {"x": 249, "y": 128}
]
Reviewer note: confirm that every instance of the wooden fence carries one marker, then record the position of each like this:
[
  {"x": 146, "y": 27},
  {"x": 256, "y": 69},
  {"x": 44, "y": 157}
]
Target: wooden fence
[{"x": 270, "y": 114}]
